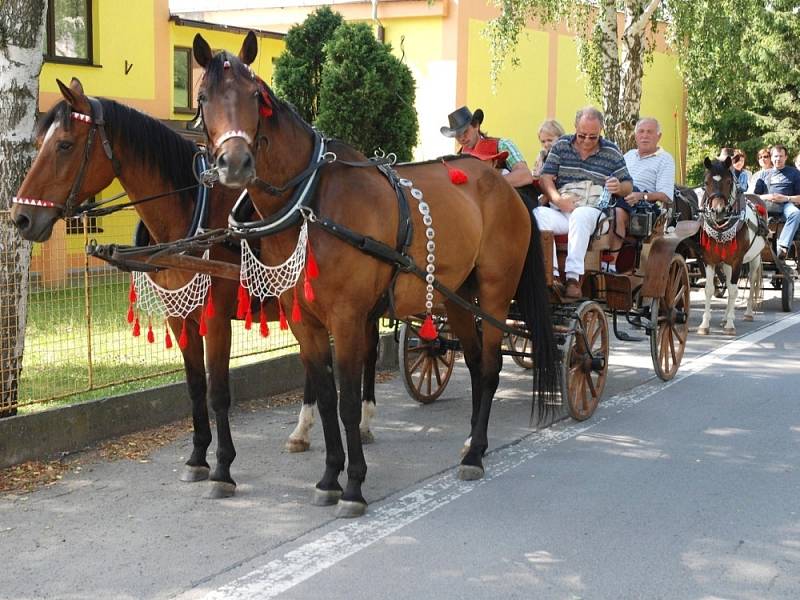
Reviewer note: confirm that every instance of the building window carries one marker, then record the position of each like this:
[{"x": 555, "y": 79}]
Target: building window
[
  {"x": 75, "y": 225},
  {"x": 182, "y": 79},
  {"x": 68, "y": 32}
]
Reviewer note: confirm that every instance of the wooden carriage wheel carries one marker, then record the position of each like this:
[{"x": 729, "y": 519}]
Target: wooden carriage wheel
[
  {"x": 670, "y": 317},
  {"x": 518, "y": 343},
  {"x": 585, "y": 361},
  {"x": 787, "y": 292},
  {"x": 426, "y": 367}
]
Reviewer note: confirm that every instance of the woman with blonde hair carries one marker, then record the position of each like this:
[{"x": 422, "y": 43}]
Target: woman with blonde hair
[{"x": 549, "y": 132}]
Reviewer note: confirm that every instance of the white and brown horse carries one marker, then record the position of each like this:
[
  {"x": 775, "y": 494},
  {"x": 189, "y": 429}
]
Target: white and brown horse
[{"x": 731, "y": 236}]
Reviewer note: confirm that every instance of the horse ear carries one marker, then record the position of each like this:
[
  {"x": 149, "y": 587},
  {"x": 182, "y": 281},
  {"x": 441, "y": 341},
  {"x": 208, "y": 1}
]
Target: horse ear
[
  {"x": 728, "y": 162},
  {"x": 202, "y": 51},
  {"x": 67, "y": 93},
  {"x": 74, "y": 94},
  {"x": 249, "y": 48},
  {"x": 707, "y": 163}
]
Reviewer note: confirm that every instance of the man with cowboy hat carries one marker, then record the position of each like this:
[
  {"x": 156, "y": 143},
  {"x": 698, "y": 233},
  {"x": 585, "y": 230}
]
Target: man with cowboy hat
[{"x": 465, "y": 127}]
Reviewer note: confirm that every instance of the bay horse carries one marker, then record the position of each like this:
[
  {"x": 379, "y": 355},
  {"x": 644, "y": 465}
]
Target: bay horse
[
  {"x": 477, "y": 237},
  {"x": 731, "y": 236},
  {"x": 150, "y": 159}
]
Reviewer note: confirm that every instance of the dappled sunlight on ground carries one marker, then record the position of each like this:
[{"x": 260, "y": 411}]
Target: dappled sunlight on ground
[{"x": 625, "y": 446}]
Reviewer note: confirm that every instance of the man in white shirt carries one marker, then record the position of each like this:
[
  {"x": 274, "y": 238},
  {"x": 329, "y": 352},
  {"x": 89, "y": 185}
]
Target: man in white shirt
[{"x": 653, "y": 171}]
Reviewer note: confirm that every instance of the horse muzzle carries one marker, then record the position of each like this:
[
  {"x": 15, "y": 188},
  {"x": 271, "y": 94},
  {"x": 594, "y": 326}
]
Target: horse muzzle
[{"x": 34, "y": 226}]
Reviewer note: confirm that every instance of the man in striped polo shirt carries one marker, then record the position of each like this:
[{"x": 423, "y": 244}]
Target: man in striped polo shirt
[
  {"x": 584, "y": 156},
  {"x": 653, "y": 171}
]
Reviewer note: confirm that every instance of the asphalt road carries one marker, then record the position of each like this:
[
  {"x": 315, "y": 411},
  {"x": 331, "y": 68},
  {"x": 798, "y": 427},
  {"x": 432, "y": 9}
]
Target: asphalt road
[{"x": 680, "y": 490}]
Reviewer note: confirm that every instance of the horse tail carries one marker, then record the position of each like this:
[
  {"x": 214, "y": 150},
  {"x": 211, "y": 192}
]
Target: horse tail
[{"x": 533, "y": 302}]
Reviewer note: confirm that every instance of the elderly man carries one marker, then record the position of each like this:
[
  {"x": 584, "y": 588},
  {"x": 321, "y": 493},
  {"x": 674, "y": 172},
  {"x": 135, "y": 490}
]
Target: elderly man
[
  {"x": 781, "y": 186},
  {"x": 583, "y": 161},
  {"x": 653, "y": 171}
]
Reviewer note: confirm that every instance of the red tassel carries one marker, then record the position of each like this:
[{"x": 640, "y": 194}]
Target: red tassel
[
  {"x": 428, "y": 330},
  {"x": 248, "y": 320},
  {"x": 296, "y": 314},
  {"x": 308, "y": 291},
  {"x": 243, "y": 306},
  {"x": 136, "y": 329},
  {"x": 203, "y": 329},
  {"x": 210, "y": 308},
  {"x": 150, "y": 337},
  {"x": 131, "y": 316},
  {"x": 263, "y": 321},
  {"x": 761, "y": 210},
  {"x": 168, "y": 339},
  {"x": 312, "y": 269},
  {"x": 183, "y": 340},
  {"x": 284, "y": 325},
  {"x": 457, "y": 176},
  {"x": 132, "y": 292}
]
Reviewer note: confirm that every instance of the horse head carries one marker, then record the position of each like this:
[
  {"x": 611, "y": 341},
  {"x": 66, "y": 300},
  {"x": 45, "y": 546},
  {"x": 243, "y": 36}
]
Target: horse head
[
  {"x": 69, "y": 167},
  {"x": 720, "y": 190},
  {"x": 232, "y": 99}
]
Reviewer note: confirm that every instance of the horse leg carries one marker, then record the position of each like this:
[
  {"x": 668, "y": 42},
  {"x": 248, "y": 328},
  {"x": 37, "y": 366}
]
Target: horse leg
[
  {"x": 196, "y": 468},
  {"x": 368, "y": 389},
  {"x": 300, "y": 439},
  {"x": 315, "y": 352},
  {"x": 728, "y": 326},
  {"x": 350, "y": 352},
  {"x": 755, "y": 276},
  {"x": 462, "y": 324},
  {"x": 218, "y": 353},
  {"x": 709, "y": 289}
]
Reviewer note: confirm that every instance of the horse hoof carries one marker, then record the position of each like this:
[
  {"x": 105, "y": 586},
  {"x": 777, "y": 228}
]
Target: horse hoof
[
  {"x": 729, "y": 331},
  {"x": 297, "y": 445},
  {"x": 325, "y": 497},
  {"x": 702, "y": 331},
  {"x": 367, "y": 437},
  {"x": 192, "y": 474},
  {"x": 221, "y": 489},
  {"x": 469, "y": 472},
  {"x": 747, "y": 318},
  {"x": 347, "y": 509}
]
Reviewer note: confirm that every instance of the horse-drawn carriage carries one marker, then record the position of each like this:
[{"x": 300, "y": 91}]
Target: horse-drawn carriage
[{"x": 651, "y": 292}]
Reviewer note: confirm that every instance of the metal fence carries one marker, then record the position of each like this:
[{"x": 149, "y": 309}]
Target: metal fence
[{"x": 78, "y": 342}]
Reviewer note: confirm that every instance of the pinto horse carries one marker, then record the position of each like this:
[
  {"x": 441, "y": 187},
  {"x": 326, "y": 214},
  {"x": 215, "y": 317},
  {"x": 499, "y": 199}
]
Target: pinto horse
[
  {"x": 151, "y": 159},
  {"x": 483, "y": 248},
  {"x": 731, "y": 236}
]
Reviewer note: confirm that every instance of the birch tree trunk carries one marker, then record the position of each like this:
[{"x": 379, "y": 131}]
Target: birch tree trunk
[
  {"x": 21, "y": 35},
  {"x": 609, "y": 65}
]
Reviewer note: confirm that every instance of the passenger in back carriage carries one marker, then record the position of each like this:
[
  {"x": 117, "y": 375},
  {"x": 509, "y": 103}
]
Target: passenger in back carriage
[
  {"x": 465, "y": 127},
  {"x": 780, "y": 188}
]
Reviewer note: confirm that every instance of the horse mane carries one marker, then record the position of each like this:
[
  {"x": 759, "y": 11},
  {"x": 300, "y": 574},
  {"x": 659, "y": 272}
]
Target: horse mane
[{"x": 152, "y": 142}]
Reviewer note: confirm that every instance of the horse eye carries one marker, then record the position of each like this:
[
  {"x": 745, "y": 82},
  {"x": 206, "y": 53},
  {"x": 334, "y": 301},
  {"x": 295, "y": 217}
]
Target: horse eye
[
  {"x": 201, "y": 97},
  {"x": 65, "y": 145}
]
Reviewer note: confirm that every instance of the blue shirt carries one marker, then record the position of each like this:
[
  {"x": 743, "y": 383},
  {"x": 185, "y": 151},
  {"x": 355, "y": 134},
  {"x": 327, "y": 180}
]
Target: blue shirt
[
  {"x": 566, "y": 165},
  {"x": 784, "y": 181}
]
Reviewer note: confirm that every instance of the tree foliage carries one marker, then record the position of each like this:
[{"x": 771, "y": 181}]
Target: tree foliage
[
  {"x": 298, "y": 70},
  {"x": 367, "y": 94}
]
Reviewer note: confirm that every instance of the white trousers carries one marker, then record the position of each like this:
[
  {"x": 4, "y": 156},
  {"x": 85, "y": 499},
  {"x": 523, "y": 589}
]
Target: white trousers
[{"x": 578, "y": 225}]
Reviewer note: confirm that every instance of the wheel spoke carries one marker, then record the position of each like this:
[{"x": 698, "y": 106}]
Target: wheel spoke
[
  {"x": 672, "y": 346},
  {"x": 435, "y": 370},
  {"x": 416, "y": 363},
  {"x": 427, "y": 375}
]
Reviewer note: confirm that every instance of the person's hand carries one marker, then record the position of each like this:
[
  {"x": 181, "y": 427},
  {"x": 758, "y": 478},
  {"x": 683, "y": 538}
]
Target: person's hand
[
  {"x": 780, "y": 198},
  {"x": 633, "y": 198},
  {"x": 564, "y": 203},
  {"x": 613, "y": 185}
]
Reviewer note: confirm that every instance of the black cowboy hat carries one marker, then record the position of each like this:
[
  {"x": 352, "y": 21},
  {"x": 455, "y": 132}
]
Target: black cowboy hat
[{"x": 460, "y": 119}]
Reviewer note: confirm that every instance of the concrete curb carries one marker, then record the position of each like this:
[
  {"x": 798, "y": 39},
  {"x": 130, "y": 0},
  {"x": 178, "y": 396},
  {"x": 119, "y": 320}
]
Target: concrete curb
[{"x": 72, "y": 428}]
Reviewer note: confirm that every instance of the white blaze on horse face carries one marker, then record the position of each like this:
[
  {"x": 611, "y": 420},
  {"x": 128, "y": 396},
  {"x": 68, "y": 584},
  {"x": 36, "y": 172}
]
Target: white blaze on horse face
[
  {"x": 717, "y": 178},
  {"x": 51, "y": 132}
]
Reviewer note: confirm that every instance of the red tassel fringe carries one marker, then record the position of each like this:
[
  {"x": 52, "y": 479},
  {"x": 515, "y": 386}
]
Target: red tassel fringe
[
  {"x": 263, "y": 321},
  {"x": 312, "y": 269},
  {"x": 457, "y": 176},
  {"x": 203, "y": 326},
  {"x": 137, "y": 331},
  {"x": 296, "y": 314},
  {"x": 150, "y": 336},
  {"x": 183, "y": 340},
  {"x": 248, "y": 321},
  {"x": 428, "y": 330},
  {"x": 210, "y": 308},
  {"x": 131, "y": 316},
  {"x": 284, "y": 324},
  {"x": 167, "y": 339},
  {"x": 132, "y": 292},
  {"x": 308, "y": 291},
  {"x": 243, "y": 305}
]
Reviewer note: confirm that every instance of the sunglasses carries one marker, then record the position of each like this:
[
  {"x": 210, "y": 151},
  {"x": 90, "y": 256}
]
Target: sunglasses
[
  {"x": 763, "y": 156},
  {"x": 586, "y": 136}
]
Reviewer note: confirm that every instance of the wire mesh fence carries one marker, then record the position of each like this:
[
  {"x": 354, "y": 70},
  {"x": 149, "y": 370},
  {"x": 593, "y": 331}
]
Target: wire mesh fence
[{"x": 78, "y": 342}]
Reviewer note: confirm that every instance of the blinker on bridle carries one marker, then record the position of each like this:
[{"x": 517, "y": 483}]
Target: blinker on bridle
[{"x": 97, "y": 126}]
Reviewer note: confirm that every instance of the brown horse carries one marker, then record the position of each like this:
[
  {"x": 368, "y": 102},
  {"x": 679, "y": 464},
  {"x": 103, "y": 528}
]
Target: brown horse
[
  {"x": 731, "y": 237},
  {"x": 482, "y": 247},
  {"x": 150, "y": 160}
]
